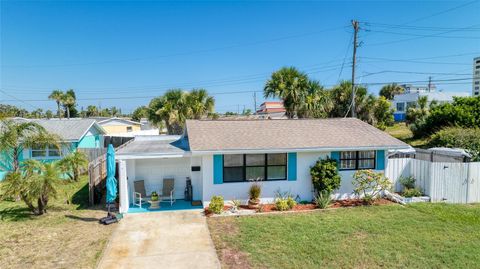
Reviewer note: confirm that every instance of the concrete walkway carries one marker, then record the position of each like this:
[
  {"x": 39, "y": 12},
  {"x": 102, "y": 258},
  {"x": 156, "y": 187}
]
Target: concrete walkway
[{"x": 175, "y": 239}]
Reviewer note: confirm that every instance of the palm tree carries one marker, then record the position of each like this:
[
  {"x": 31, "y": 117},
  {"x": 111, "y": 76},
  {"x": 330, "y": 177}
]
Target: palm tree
[
  {"x": 290, "y": 85},
  {"x": 317, "y": 102},
  {"x": 199, "y": 103},
  {"x": 172, "y": 110},
  {"x": 57, "y": 95},
  {"x": 390, "y": 90},
  {"x": 15, "y": 136},
  {"x": 73, "y": 164},
  {"x": 92, "y": 111},
  {"x": 68, "y": 100},
  {"x": 35, "y": 183}
]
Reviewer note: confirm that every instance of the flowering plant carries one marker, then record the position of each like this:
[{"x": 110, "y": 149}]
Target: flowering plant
[{"x": 369, "y": 185}]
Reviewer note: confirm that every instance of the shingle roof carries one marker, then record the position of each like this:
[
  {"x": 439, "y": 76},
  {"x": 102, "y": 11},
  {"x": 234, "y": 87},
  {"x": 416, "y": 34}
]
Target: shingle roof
[
  {"x": 68, "y": 129},
  {"x": 158, "y": 144},
  {"x": 286, "y": 134}
]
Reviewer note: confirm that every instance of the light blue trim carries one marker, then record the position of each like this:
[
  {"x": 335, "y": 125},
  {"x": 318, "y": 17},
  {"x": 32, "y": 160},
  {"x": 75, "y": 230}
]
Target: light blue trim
[
  {"x": 217, "y": 169},
  {"x": 90, "y": 141},
  {"x": 335, "y": 155},
  {"x": 292, "y": 166},
  {"x": 380, "y": 161}
]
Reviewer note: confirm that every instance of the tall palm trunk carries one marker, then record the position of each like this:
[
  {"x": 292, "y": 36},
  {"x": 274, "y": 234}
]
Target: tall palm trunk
[
  {"x": 68, "y": 112},
  {"x": 58, "y": 110}
]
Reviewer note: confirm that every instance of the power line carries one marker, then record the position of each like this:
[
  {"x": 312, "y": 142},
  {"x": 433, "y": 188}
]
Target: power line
[
  {"x": 413, "y": 72},
  {"x": 17, "y": 99},
  {"x": 419, "y": 37},
  {"x": 184, "y": 53},
  {"x": 378, "y": 59},
  {"x": 441, "y": 12},
  {"x": 425, "y": 35}
]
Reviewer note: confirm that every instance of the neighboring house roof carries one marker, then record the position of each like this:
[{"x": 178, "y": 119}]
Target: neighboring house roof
[
  {"x": 342, "y": 133},
  {"x": 102, "y": 121},
  {"x": 69, "y": 129},
  {"x": 437, "y": 96}
]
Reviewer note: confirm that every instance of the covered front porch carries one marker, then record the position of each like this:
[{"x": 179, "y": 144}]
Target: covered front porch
[
  {"x": 160, "y": 164},
  {"x": 179, "y": 204}
]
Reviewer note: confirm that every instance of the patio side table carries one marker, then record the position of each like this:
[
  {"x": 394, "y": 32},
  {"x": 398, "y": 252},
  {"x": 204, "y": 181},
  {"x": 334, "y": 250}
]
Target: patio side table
[{"x": 154, "y": 204}]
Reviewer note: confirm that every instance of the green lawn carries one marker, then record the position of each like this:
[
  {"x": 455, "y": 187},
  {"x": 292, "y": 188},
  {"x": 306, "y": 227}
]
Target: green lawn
[
  {"x": 402, "y": 132},
  {"x": 68, "y": 236},
  {"x": 389, "y": 236}
]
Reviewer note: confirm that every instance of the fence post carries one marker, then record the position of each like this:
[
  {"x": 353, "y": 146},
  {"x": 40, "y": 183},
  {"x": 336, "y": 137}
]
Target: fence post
[{"x": 90, "y": 185}]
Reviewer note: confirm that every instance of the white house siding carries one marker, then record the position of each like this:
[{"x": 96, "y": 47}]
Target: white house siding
[
  {"x": 302, "y": 186},
  {"x": 197, "y": 177},
  {"x": 153, "y": 171}
]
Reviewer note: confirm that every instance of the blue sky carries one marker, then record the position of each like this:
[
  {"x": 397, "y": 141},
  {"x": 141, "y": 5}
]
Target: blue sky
[{"x": 131, "y": 51}]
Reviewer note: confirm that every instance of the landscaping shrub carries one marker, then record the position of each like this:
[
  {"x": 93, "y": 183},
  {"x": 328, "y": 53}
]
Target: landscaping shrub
[
  {"x": 291, "y": 202},
  {"x": 463, "y": 112},
  {"x": 281, "y": 205},
  {"x": 369, "y": 185},
  {"x": 216, "y": 204},
  {"x": 413, "y": 192},
  {"x": 409, "y": 188},
  {"x": 323, "y": 199},
  {"x": 456, "y": 137},
  {"x": 284, "y": 201},
  {"x": 407, "y": 182},
  {"x": 325, "y": 176},
  {"x": 255, "y": 191}
]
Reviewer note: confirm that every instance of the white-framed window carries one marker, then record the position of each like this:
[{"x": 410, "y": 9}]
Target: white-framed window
[
  {"x": 45, "y": 152},
  {"x": 400, "y": 107},
  {"x": 357, "y": 160},
  {"x": 129, "y": 129}
]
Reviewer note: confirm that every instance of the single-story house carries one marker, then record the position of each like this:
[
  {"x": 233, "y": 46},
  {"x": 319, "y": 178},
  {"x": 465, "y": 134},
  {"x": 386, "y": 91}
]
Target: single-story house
[
  {"x": 115, "y": 125},
  {"x": 401, "y": 102},
  {"x": 221, "y": 157},
  {"x": 75, "y": 133}
]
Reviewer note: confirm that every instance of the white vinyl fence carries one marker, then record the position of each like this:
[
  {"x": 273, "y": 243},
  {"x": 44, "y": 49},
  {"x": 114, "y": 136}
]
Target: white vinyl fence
[{"x": 442, "y": 181}]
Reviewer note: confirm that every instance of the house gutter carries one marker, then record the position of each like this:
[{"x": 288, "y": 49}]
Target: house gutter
[{"x": 253, "y": 151}]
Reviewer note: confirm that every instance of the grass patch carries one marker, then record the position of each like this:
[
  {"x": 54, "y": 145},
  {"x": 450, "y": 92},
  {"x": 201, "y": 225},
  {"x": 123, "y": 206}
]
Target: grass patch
[
  {"x": 390, "y": 236},
  {"x": 68, "y": 236},
  {"x": 402, "y": 132}
]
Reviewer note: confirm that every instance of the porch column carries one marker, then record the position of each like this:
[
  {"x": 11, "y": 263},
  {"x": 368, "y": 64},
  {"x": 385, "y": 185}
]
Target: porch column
[{"x": 123, "y": 186}]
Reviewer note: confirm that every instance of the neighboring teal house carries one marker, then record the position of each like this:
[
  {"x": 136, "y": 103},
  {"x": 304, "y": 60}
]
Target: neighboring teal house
[{"x": 75, "y": 133}]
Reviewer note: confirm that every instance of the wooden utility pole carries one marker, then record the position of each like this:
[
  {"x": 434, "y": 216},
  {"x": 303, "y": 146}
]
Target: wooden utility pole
[
  {"x": 254, "y": 103},
  {"x": 354, "y": 61}
]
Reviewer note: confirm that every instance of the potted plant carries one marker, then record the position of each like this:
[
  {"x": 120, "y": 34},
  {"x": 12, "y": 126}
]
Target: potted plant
[
  {"x": 254, "y": 193},
  {"x": 154, "y": 196}
]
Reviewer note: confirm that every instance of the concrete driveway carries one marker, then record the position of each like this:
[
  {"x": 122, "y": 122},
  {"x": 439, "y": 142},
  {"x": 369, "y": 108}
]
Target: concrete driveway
[{"x": 173, "y": 239}]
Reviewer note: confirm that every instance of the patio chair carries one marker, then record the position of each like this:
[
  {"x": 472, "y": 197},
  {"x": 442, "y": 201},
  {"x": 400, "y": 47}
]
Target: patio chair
[
  {"x": 168, "y": 191},
  {"x": 139, "y": 193}
]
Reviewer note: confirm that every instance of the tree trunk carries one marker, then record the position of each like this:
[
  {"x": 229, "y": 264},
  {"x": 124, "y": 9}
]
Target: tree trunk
[
  {"x": 75, "y": 174},
  {"x": 29, "y": 204},
  {"x": 58, "y": 110},
  {"x": 68, "y": 112},
  {"x": 15, "y": 163}
]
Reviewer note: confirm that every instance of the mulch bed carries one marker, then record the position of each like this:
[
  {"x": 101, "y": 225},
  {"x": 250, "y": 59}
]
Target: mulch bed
[{"x": 302, "y": 207}]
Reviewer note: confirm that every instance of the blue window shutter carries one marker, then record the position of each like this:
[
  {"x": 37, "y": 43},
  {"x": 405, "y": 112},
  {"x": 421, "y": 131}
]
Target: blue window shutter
[
  {"x": 335, "y": 155},
  {"x": 292, "y": 166},
  {"x": 217, "y": 169},
  {"x": 380, "y": 160}
]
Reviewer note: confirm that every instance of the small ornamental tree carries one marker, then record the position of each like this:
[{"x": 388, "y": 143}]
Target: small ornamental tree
[
  {"x": 369, "y": 185},
  {"x": 325, "y": 177}
]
